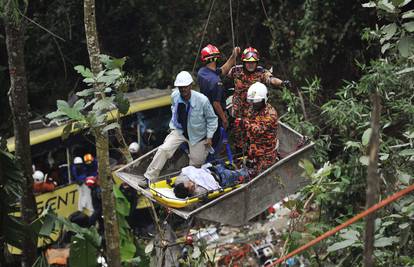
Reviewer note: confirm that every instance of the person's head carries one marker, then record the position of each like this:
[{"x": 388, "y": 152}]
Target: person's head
[
  {"x": 38, "y": 177},
  {"x": 133, "y": 147},
  {"x": 250, "y": 58},
  {"x": 183, "y": 81},
  {"x": 257, "y": 95},
  {"x": 77, "y": 160},
  {"x": 210, "y": 54},
  {"x": 88, "y": 158},
  {"x": 183, "y": 190}
]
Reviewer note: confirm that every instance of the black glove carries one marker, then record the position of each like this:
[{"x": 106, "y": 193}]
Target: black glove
[{"x": 287, "y": 84}]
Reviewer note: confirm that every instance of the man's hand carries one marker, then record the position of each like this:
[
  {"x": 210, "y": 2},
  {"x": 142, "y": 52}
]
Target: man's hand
[
  {"x": 209, "y": 142},
  {"x": 287, "y": 84},
  {"x": 225, "y": 123},
  {"x": 236, "y": 52},
  {"x": 238, "y": 122}
]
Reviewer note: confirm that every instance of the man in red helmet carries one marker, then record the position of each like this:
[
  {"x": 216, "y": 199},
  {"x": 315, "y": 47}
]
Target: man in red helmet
[
  {"x": 208, "y": 78},
  {"x": 244, "y": 76}
]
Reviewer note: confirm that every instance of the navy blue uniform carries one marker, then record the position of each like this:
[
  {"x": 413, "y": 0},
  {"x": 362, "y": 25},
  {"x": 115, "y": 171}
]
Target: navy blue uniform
[{"x": 211, "y": 86}]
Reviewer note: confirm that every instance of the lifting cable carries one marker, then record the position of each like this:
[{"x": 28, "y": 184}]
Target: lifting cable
[
  {"x": 354, "y": 219},
  {"x": 204, "y": 33},
  {"x": 272, "y": 33}
]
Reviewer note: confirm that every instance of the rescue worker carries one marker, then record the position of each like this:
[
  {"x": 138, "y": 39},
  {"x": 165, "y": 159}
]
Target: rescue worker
[
  {"x": 193, "y": 121},
  {"x": 40, "y": 184},
  {"x": 91, "y": 165},
  {"x": 133, "y": 149},
  {"x": 78, "y": 170},
  {"x": 208, "y": 78},
  {"x": 244, "y": 76},
  {"x": 260, "y": 126}
]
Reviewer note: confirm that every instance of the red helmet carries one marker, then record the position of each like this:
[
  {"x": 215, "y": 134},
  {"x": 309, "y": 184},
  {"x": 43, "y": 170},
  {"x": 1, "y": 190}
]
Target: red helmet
[
  {"x": 209, "y": 52},
  {"x": 250, "y": 54}
]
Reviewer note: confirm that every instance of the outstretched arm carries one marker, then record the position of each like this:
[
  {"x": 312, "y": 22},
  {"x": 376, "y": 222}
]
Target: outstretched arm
[{"x": 230, "y": 62}]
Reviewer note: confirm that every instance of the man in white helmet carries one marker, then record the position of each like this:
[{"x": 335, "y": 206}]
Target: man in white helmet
[
  {"x": 193, "y": 121},
  {"x": 261, "y": 129},
  {"x": 40, "y": 184},
  {"x": 134, "y": 148}
]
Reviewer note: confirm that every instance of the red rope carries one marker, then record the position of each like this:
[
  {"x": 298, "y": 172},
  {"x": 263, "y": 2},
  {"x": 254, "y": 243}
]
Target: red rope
[{"x": 361, "y": 215}]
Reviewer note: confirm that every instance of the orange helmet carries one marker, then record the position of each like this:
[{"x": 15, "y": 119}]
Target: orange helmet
[
  {"x": 250, "y": 54},
  {"x": 88, "y": 158},
  {"x": 209, "y": 53}
]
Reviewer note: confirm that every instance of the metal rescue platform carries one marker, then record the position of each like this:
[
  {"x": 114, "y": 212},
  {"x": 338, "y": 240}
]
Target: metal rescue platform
[{"x": 240, "y": 205}]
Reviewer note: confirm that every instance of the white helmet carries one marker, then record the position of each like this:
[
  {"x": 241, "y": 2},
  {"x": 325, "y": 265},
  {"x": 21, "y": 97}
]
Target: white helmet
[
  {"x": 183, "y": 78},
  {"x": 256, "y": 93},
  {"x": 38, "y": 176},
  {"x": 133, "y": 147},
  {"x": 77, "y": 160}
]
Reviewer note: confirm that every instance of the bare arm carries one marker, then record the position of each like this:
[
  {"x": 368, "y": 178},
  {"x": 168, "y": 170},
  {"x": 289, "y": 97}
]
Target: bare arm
[
  {"x": 219, "y": 110},
  {"x": 230, "y": 62}
]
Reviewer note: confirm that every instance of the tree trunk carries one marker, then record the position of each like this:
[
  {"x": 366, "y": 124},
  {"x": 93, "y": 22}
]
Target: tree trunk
[
  {"x": 108, "y": 202},
  {"x": 19, "y": 108},
  {"x": 372, "y": 181}
]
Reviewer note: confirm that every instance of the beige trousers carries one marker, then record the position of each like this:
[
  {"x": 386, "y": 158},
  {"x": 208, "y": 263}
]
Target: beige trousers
[{"x": 198, "y": 153}]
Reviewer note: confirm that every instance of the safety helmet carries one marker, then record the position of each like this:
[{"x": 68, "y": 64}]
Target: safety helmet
[
  {"x": 133, "y": 147},
  {"x": 250, "y": 54},
  {"x": 90, "y": 180},
  {"x": 77, "y": 160},
  {"x": 38, "y": 176},
  {"x": 209, "y": 53},
  {"x": 183, "y": 78},
  {"x": 256, "y": 93},
  {"x": 88, "y": 158}
]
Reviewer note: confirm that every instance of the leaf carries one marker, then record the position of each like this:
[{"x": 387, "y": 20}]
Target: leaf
[
  {"x": 352, "y": 144},
  {"x": 85, "y": 72},
  {"x": 149, "y": 247},
  {"x": 103, "y": 105},
  {"x": 341, "y": 245},
  {"x": 122, "y": 103},
  {"x": 405, "y": 2},
  {"x": 369, "y": 4},
  {"x": 62, "y": 104},
  {"x": 404, "y": 177},
  {"x": 82, "y": 253},
  {"x": 386, "y": 6},
  {"x": 385, "y": 241},
  {"x": 406, "y": 70},
  {"x": 384, "y": 156},
  {"x": 405, "y": 46},
  {"x": 88, "y": 80},
  {"x": 122, "y": 204},
  {"x": 47, "y": 226},
  {"x": 364, "y": 160},
  {"x": 350, "y": 235},
  {"x": 127, "y": 249},
  {"x": 404, "y": 225},
  {"x": 389, "y": 30},
  {"x": 307, "y": 166},
  {"x": 55, "y": 114},
  {"x": 79, "y": 105},
  {"x": 86, "y": 92},
  {"x": 406, "y": 152},
  {"x": 408, "y": 14},
  {"x": 385, "y": 47},
  {"x": 366, "y": 136},
  {"x": 409, "y": 26},
  {"x": 196, "y": 253},
  {"x": 107, "y": 90}
]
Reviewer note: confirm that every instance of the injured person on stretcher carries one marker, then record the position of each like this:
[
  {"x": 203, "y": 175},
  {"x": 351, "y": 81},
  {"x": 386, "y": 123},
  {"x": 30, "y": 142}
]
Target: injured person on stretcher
[{"x": 194, "y": 181}]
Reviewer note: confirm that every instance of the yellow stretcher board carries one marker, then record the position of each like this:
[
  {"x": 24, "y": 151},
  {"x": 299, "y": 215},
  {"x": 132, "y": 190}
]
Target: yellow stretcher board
[{"x": 162, "y": 192}]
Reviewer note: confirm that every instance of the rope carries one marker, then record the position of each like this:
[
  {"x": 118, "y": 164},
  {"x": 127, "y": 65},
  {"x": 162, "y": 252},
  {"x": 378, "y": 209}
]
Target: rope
[
  {"x": 204, "y": 33},
  {"x": 331, "y": 232},
  {"x": 231, "y": 23}
]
